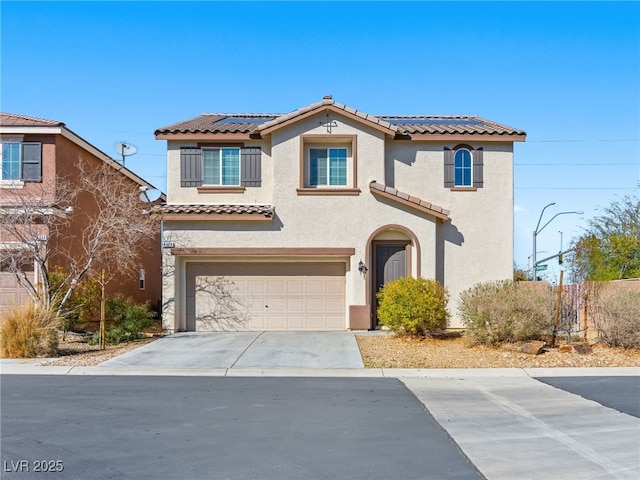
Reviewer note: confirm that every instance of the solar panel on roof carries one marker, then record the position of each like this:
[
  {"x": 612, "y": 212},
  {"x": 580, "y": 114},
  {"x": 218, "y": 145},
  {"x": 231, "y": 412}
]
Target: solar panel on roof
[
  {"x": 431, "y": 121},
  {"x": 257, "y": 120}
]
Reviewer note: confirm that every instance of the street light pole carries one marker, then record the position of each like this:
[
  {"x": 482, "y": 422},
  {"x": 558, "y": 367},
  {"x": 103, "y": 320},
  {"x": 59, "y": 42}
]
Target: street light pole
[
  {"x": 535, "y": 234},
  {"x": 538, "y": 230}
]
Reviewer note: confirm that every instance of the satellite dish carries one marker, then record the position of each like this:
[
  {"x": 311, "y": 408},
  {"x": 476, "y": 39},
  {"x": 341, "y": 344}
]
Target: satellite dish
[
  {"x": 149, "y": 196},
  {"x": 125, "y": 149}
]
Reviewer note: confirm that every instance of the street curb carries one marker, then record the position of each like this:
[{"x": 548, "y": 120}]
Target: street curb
[{"x": 31, "y": 369}]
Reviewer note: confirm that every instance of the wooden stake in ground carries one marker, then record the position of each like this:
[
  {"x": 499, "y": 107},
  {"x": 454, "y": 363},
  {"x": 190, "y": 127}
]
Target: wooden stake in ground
[{"x": 556, "y": 318}]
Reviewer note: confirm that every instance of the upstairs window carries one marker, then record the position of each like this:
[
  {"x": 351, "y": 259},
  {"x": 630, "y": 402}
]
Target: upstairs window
[
  {"x": 21, "y": 161},
  {"x": 327, "y": 167},
  {"x": 221, "y": 166},
  {"x": 462, "y": 168},
  {"x": 10, "y": 161}
]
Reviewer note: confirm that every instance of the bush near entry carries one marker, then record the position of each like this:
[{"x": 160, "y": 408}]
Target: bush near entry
[
  {"x": 413, "y": 306},
  {"x": 506, "y": 311}
]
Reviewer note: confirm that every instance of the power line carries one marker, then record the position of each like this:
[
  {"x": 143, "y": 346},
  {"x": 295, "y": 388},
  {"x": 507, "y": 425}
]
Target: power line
[
  {"x": 574, "y": 164},
  {"x": 576, "y": 188}
]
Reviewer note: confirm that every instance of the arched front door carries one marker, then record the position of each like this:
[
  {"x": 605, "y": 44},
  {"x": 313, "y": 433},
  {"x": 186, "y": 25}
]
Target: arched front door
[{"x": 390, "y": 262}]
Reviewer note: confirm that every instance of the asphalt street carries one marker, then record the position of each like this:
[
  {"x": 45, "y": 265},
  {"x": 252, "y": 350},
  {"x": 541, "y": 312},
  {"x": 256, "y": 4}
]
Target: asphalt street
[{"x": 107, "y": 427}]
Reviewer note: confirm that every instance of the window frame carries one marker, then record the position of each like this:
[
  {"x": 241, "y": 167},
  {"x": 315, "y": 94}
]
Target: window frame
[
  {"x": 329, "y": 170},
  {"x": 31, "y": 160},
  {"x": 463, "y": 168},
  {"x": 221, "y": 166},
  {"x": 6, "y": 144},
  {"x": 328, "y": 142}
]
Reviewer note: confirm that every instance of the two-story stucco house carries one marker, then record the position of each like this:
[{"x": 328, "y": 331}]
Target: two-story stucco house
[
  {"x": 294, "y": 222},
  {"x": 36, "y": 154}
]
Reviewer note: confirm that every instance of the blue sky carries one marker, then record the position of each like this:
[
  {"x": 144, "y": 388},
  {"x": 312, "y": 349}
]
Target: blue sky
[{"x": 566, "y": 73}]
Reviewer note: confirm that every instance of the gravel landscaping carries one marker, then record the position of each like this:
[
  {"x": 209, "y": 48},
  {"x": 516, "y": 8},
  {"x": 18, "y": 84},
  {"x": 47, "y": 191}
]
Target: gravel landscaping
[{"x": 390, "y": 351}]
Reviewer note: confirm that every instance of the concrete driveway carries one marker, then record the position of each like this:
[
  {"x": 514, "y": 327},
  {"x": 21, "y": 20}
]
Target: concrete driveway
[{"x": 237, "y": 350}]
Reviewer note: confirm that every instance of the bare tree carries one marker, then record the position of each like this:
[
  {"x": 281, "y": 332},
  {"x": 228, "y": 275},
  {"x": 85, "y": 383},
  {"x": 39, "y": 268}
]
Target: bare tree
[
  {"x": 29, "y": 219},
  {"x": 100, "y": 238}
]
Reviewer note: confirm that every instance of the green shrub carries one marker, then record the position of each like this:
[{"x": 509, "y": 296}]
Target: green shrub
[
  {"x": 617, "y": 318},
  {"x": 28, "y": 331},
  {"x": 413, "y": 306},
  {"x": 83, "y": 306},
  {"x": 506, "y": 311},
  {"x": 126, "y": 320}
]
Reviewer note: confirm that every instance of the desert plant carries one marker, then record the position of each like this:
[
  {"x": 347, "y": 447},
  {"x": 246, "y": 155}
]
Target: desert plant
[
  {"x": 126, "y": 319},
  {"x": 506, "y": 311},
  {"x": 617, "y": 318},
  {"x": 28, "y": 330},
  {"x": 83, "y": 304},
  {"x": 413, "y": 306}
]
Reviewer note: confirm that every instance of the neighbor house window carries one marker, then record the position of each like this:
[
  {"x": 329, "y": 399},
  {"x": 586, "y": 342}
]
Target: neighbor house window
[
  {"x": 327, "y": 167},
  {"x": 462, "y": 168},
  {"x": 21, "y": 161},
  {"x": 11, "y": 161},
  {"x": 221, "y": 166}
]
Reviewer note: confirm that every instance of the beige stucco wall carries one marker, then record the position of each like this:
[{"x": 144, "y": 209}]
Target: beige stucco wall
[{"x": 475, "y": 245}]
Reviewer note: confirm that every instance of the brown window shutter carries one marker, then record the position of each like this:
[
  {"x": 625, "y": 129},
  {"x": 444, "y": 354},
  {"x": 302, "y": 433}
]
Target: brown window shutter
[
  {"x": 190, "y": 167},
  {"x": 31, "y": 162},
  {"x": 251, "y": 167},
  {"x": 448, "y": 168},
  {"x": 478, "y": 167}
]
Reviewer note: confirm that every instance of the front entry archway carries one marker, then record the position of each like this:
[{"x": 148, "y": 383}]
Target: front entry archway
[
  {"x": 390, "y": 263},
  {"x": 391, "y": 250}
]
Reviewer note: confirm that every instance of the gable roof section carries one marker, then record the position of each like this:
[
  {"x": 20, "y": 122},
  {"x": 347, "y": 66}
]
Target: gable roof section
[
  {"x": 327, "y": 103},
  {"x": 401, "y": 126},
  {"x": 409, "y": 200}
]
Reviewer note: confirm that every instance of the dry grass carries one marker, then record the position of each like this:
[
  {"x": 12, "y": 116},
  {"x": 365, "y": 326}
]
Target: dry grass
[
  {"x": 28, "y": 331},
  {"x": 452, "y": 352}
]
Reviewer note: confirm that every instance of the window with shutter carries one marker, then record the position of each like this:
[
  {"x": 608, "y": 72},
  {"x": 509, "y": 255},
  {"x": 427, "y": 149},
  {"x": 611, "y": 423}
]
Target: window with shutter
[
  {"x": 463, "y": 168},
  {"x": 21, "y": 161},
  {"x": 223, "y": 167}
]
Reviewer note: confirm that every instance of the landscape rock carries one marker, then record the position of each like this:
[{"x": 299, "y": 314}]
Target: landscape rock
[
  {"x": 579, "y": 348},
  {"x": 533, "y": 347}
]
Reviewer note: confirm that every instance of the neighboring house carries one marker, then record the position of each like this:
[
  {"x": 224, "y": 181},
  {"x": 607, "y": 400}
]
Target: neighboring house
[
  {"x": 35, "y": 154},
  {"x": 294, "y": 222}
]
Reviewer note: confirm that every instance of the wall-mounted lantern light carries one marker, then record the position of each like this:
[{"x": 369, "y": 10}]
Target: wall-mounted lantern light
[{"x": 362, "y": 268}]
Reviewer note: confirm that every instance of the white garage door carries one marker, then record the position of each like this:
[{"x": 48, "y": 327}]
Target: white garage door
[
  {"x": 265, "y": 296},
  {"x": 11, "y": 293}
]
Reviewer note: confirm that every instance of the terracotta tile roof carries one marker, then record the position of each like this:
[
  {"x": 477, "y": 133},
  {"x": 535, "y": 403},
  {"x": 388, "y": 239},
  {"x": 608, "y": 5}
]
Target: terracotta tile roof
[
  {"x": 13, "y": 120},
  {"x": 218, "y": 123},
  {"x": 400, "y": 124},
  {"x": 195, "y": 210},
  {"x": 455, "y": 124},
  {"x": 409, "y": 200}
]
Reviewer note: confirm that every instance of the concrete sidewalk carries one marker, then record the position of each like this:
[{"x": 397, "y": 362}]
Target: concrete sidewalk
[{"x": 518, "y": 428}]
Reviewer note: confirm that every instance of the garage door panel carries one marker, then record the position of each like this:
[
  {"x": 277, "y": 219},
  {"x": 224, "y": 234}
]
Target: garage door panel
[{"x": 251, "y": 297}]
